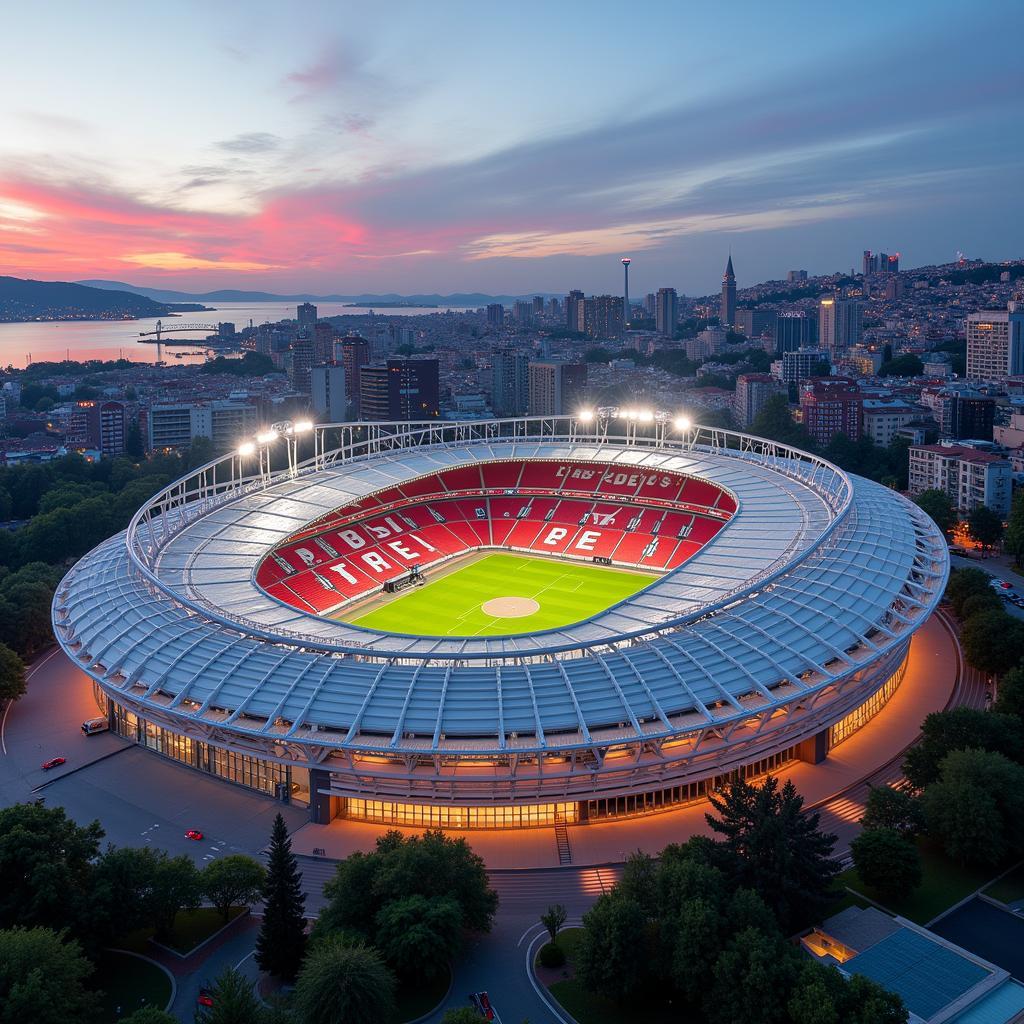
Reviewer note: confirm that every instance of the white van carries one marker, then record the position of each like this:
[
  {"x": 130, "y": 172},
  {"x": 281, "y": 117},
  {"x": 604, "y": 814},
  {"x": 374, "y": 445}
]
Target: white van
[{"x": 94, "y": 725}]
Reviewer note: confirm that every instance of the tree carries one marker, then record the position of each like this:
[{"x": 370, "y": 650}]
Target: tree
[
  {"x": 462, "y": 1015},
  {"x": 1010, "y": 696},
  {"x": 612, "y": 957},
  {"x": 12, "y": 674},
  {"x": 992, "y": 641},
  {"x": 234, "y": 881},
  {"x": 419, "y": 936},
  {"x": 887, "y": 861},
  {"x": 44, "y": 978},
  {"x": 344, "y": 982},
  {"x": 775, "y": 847},
  {"x": 976, "y": 808},
  {"x": 937, "y": 504},
  {"x": 775, "y": 422},
  {"x": 46, "y": 862},
  {"x": 985, "y": 601},
  {"x": 123, "y": 890},
  {"x": 821, "y": 995},
  {"x": 1013, "y": 539},
  {"x": 235, "y": 1001},
  {"x": 964, "y": 583},
  {"x": 750, "y": 980},
  {"x": 149, "y": 1015},
  {"x": 945, "y": 731},
  {"x": 902, "y": 366},
  {"x": 554, "y": 919},
  {"x": 176, "y": 886},
  {"x": 282, "y": 938},
  {"x": 698, "y": 938},
  {"x": 891, "y": 808},
  {"x": 986, "y": 526}
]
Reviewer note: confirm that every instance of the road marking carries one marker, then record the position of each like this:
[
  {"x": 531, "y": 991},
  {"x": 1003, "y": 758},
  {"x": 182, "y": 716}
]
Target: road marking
[
  {"x": 238, "y": 966},
  {"x": 536, "y": 985},
  {"x": 28, "y": 675},
  {"x": 522, "y": 938}
]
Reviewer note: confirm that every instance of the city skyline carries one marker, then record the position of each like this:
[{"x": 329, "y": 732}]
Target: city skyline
[{"x": 354, "y": 151}]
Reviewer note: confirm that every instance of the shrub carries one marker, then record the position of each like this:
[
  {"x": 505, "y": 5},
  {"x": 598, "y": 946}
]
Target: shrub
[{"x": 551, "y": 955}]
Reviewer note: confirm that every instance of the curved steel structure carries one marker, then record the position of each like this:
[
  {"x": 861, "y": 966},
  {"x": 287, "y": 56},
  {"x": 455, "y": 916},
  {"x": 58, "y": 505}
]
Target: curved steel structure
[{"x": 795, "y": 615}]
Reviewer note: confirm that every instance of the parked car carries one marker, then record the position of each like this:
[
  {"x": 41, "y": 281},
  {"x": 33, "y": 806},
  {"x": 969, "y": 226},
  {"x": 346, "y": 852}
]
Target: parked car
[
  {"x": 194, "y": 834},
  {"x": 205, "y": 997},
  {"x": 54, "y": 762},
  {"x": 94, "y": 725}
]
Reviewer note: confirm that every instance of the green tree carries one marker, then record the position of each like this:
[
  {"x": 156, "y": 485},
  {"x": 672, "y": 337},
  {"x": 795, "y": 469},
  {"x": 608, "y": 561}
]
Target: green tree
[
  {"x": 418, "y": 936},
  {"x": 12, "y": 674},
  {"x": 282, "y": 938},
  {"x": 1013, "y": 539},
  {"x": 945, "y": 731},
  {"x": 462, "y": 1015},
  {"x": 992, "y": 641},
  {"x": 235, "y": 1001},
  {"x": 985, "y": 601},
  {"x": 887, "y": 861},
  {"x": 937, "y": 504},
  {"x": 44, "y": 978},
  {"x": 964, "y": 583},
  {"x": 776, "y": 847},
  {"x": 176, "y": 886},
  {"x": 821, "y": 995},
  {"x": 134, "y": 445},
  {"x": 122, "y": 889},
  {"x": 1010, "y": 695},
  {"x": 986, "y": 526},
  {"x": 149, "y": 1015},
  {"x": 697, "y": 930},
  {"x": 612, "y": 956},
  {"x": 976, "y": 808},
  {"x": 234, "y": 881},
  {"x": 902, "y": 366},
  {"x": 51, "y": 858},
  {"x": 750, "y": 980},
  {"x": 344, "y": 982},
  {"x": 553, "y": 919},
  {"x": 775, "y": 422},
  {"x": 891, "y": 808}
]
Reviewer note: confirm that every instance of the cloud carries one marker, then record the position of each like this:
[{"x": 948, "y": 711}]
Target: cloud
[
  {"x": 250, "y": 142},
  {"x": 182, "y": 261}
]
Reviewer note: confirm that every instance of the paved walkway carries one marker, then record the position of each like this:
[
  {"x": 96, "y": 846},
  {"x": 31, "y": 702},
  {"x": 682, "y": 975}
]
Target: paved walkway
[{"x": 928, "y": 685}]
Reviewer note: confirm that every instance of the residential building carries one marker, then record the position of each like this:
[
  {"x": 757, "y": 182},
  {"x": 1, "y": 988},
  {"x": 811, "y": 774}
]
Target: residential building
[
  {"x": 839, "y": 323},
  {"x": 301, "y": 363},
  {"x": 727, "y": 312},
  {"x": 752, "y": 391},
  {"x": 708, "y": 343},
  {"x": 306, "y": 316},
  {"x": 883, "y": 420},
  {"x": 522, "y": 311},
  {"x": 795, "y": 330},
  {"x": 399, "y": 389},
  {"x": 995, "y": 343},
  {"x": 970, "y": 477},
  {"x": 556, "y": 387},
  {"x": 353, "y": 352},
  {"x": 106, "y": 427},
  {"x": 329, "y": 392},
  {"x": 801, "y": 364},
  {"x": 226, "y": 422},
  {"x": 573, "y": 301},
  {"x": 964, "y": 414},
  {"x": 755, "y": 323},
  {"x": 831, "y": 406},
  {"x": 793, "y": 276},
  {"x": 510, "y": 385},
  {"x": 666, "y": 312},
  {"x": 600, "y": 317}
]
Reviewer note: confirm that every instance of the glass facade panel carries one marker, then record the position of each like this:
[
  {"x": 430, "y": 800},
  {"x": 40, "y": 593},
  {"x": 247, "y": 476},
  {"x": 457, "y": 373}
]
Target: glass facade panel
[
  {"x": 859, "y": 717},
  {"x": 447, "y": 816}
]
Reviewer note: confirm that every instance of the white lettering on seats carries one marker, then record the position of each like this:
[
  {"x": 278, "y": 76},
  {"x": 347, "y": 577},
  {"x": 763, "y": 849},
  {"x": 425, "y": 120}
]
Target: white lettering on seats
[
  {"x": 587, "y": 539},
  {"x": 376, "y": 561},
  {"x": 419, "y": 540},
  {"x": 555, "y": 534},
  {"x": 344, "y": 573},
  {"x": 352, "y": 539},
  {"x": 400, "y": 549}
]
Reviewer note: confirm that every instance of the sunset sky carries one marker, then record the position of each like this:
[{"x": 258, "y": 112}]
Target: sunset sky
[{"x": 504, "y": 148}]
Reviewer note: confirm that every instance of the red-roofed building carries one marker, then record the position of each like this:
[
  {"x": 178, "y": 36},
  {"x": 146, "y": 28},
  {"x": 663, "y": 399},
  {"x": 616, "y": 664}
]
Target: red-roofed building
[{"x": 830, "y": 406}]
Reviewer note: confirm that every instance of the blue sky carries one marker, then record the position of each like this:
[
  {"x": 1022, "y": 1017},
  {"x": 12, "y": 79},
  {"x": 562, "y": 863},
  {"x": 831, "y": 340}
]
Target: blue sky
[{"x": 512, "y": 148}]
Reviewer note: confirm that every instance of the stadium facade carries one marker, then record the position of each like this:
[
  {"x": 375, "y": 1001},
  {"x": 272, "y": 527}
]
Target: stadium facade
[{"x": 786, "y": 598}]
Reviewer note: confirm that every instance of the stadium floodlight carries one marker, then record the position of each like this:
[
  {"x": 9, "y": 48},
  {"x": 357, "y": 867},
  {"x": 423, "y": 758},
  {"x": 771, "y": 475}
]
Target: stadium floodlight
[
  {"x": 585, "y": 415},
  {"x": 247, "y": 449},
  {"x": 682, "y": 423},
  {"x": 302, "y": 427},
  {"x": 645, "y": 416},
  {"x": 266, "y": 437}
]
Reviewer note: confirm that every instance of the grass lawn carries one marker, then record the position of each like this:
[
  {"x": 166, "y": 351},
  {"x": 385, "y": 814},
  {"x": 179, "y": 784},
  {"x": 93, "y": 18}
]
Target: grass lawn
[
  {"x": 1009, "y": 888},
  {"x": 451, "y": 605},
  {"x": 943, "y": 883},
  {"x": 129, "y": 983},
  {"x": 413, "y": 1002},
  {"x": 191, "y": 927}
]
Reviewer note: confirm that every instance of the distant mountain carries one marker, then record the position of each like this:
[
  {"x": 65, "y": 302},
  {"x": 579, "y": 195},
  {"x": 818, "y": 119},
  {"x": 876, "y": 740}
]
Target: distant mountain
[
  {"x": 22, "y": 299},
  {"x": 231, "y": 295}
]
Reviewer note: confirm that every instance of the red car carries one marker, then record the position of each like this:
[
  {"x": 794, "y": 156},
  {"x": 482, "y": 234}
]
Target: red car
[
  {"x": 194, "y": 833},
  {"x": 54, "y": 762},
  {"x": 205, "y": 998}
]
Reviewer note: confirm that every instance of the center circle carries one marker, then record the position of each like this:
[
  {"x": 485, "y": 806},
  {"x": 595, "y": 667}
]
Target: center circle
[{"x": 510, "y": 607}]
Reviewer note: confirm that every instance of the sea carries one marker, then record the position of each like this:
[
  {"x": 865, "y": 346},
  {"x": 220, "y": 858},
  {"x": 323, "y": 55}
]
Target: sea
[{"x": 37, "y": 342}]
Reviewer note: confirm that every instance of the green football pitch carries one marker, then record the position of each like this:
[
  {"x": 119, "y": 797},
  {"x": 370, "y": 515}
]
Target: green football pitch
[{"x": 531, "y": 594}]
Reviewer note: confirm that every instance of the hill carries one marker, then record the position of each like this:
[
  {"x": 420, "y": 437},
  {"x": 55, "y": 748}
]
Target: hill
[{"x": 22, "y": 299}]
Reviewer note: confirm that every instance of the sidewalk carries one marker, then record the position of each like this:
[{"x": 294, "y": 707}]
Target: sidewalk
[{"x": 926, "y": 687}]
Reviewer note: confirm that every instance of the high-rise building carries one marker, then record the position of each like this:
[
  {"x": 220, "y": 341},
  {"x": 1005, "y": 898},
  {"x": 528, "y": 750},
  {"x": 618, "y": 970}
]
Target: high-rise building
[
  {"x": 839, "y": 323},
  {"x": 666, "y": 312},
  {"x": 106, "y": 427},
  {"x": 880, "y": 263},
  {"x": 399, "y": 389},
  {"x": 554, "y": 307},
  {"x": 302, "y": 362},
  {"x": 794, "y": 331},
  {"x": 627, "y": 313},
  {"x": 495, "y": 314},
  {"x": 793, "y": 276},
  {"x": 573, "y": 301},
  {"x": 353, "y": 352},
  {"x": 176, "y": 425},
  {"x": 830, "y": 407},
  {"x": 964, "y": 414},
  {"x": 727, "y": 315},
  {"x": 329, "y": 392},
  {"x": 970, "y": 478},
  {"x": 323, "y": 342},
  {"x": 510, "y": 388},
  {"x": 538, "y": 305},
  {"x": 650, "y": 305},
  {"x": 306, "y": 315},
  {"x": 752, "y": 392},
  {"x": 755, "y": 323},
  {"x": 523, "y": 312},
  {"x": 600, "y": 316},
  {"x": 556, "y": 387},
  {"x": 995, "y": 343}
]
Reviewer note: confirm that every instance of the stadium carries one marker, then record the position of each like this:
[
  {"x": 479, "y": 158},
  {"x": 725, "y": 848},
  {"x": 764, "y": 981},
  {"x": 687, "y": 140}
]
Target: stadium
[{"x": 502, "y": 623}]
